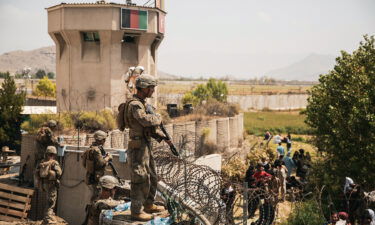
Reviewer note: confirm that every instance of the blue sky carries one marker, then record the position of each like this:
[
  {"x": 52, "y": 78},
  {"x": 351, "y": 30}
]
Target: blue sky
[{"x": 241, "y": 38}]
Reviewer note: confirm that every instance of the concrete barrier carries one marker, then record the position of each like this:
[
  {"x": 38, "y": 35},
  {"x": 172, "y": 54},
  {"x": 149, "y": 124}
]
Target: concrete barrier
[
  {"x": 117, "y": 139},
  {"x": 199, "y": 127},
  {"x": 178, "y": 134},
  {"x": 240, "y": 128},
  {"x": 233, "y": 131},
  {"x": 190, "y": 136},
  {"x": 223, "y": 134},
  {"x": 213, "y": 161},
  {"x": 74, "y": 194},
  {"x": 212, "y": 136},
  {"x": 28, "y": 150}
]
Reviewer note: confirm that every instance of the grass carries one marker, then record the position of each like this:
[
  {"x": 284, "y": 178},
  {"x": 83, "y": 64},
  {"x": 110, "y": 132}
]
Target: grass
[{"x": 258, "y": 123}]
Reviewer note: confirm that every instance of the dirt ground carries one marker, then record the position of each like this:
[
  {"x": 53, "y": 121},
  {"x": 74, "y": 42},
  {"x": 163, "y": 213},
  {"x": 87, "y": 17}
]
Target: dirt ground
[
  {"x": 60, "y": 221},
  {"x": 283, "y": 211}
]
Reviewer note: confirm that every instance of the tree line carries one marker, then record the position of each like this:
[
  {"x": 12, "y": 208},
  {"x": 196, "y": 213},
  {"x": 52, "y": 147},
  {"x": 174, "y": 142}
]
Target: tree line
[{"x": 39, "y": 74}]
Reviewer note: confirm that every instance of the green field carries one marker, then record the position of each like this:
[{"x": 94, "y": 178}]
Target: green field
[{"x": 276, "y": 122}]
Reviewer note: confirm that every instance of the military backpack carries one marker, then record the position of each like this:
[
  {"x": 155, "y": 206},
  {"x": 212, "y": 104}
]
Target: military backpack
[{"x": 121, "y": 119}]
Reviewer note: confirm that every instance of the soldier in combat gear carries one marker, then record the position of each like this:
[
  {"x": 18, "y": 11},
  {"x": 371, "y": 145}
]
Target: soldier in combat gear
[
  {"x": 108, "y": 186},
  {"x": 142, "y": 127},
  {"x": 95, "y": 162},
  {"x": 48, "y": 173},
  {"x": 44, "y": 139}
]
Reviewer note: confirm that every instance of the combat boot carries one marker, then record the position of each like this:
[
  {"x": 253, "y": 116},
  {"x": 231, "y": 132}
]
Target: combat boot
[
  {"x": 153, "y": 208},
  {"x": 142, "y": 216}
]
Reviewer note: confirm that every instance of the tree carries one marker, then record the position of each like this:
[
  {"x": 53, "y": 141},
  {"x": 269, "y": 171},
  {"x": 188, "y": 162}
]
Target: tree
[
  {"x": 4, "y": 74},
  {"x": 40, "y": 74},
  {"x": 11, "y": 104},
  {"x": 341, "y": 111},
  {"x": 212, "y": 89},
  {"x": 45, "y": 88},
  {"x": 190, "y": 98},
  {"x": 218, "y": 89},
  {"x": 51, "y": 75}
]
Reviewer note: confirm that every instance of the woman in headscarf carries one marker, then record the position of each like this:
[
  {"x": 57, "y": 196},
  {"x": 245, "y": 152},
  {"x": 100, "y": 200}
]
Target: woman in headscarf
[
  {"x": 368, "y": 217},
  {"x": 349, "y": 183},
  {"x": 289, "y": 163}
]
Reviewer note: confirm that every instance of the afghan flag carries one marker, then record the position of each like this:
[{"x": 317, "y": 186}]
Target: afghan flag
[{"x": 134, "y": 19}]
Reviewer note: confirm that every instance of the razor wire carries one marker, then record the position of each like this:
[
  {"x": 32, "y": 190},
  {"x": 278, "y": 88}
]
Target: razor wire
[{"x": 201, "y": 188}]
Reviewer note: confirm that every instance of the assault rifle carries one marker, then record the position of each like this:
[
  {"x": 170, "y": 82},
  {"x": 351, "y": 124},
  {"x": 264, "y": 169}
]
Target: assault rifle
[
  {"x": 114, "y": 170},
  {"x": 150, "y": 110},
  {"x": 168, "y": 138}
]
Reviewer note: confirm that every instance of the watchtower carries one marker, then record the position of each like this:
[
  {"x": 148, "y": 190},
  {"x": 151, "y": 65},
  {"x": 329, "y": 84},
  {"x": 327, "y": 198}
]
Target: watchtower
[{"x": 96, "y": 43}]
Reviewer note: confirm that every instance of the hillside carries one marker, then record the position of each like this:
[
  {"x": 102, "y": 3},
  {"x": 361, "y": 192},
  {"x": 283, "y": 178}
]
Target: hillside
[
  {"x": 167, "y": 76},
  {"x": 308, "y": 69},
  {"x": 41, "y": 58}
]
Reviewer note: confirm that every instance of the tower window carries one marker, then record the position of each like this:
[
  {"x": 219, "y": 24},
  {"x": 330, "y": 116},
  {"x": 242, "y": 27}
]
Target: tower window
[
  {"x": 91, "y": 36},
  {"x": 128, "y": 39},
  {"x": 129, "y": 48}
]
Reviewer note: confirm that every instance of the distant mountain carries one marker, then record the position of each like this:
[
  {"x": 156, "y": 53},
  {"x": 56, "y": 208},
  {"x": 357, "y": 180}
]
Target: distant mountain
[
  {"x": 167, "y": 76},
  {"x": 41, "y": 58},
  {"x": 308, "y": 69}
]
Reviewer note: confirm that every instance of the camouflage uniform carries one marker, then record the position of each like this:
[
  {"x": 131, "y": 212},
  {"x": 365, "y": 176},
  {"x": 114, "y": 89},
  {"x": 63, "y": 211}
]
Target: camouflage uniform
[
  {"x": 49, "y": 184},
  {"x": 99, "y": 162},
  {"x": 44, "y": 139},
  {"x": 143, "y": 173},
  {"x": 108, "y": 182}
]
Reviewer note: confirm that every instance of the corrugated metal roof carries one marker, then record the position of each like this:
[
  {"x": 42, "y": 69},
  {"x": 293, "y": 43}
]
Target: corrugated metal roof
[
  {"x": 28, "y": 110},
  {"x": 105, "y": 4}
]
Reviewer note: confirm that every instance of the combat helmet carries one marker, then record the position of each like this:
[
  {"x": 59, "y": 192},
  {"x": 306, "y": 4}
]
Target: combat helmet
[
  {"x": 108, "y": 182},
  {"x": 6, "y": 149},
  {"x": 145, "y": 80},
  {"x": 51, "y": 150},
  {"x": 100, "y": 135},
  {"x": 52, "y": 123}
]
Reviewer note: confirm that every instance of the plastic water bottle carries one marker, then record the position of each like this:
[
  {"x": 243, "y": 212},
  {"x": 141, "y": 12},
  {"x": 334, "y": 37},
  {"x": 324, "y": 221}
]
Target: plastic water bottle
[{"x": 123, "y": 207}]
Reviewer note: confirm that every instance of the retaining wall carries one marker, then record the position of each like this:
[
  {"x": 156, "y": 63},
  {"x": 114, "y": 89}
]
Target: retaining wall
[{"x": 74, "y": 194}]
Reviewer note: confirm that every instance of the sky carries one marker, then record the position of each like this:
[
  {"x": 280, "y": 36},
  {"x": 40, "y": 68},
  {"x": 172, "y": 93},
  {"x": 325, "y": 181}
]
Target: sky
[{"x": 236, "y": 38}]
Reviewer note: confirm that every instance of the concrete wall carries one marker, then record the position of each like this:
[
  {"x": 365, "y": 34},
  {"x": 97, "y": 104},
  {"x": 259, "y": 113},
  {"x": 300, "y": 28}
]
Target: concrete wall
[
  {"x": 32, "y": 101},
  {"x": 213, "y": 161},
  {"x": 28, "y": 149},
  {"x": 257, "y": 102},
  {"x": 74, "y": 194}
]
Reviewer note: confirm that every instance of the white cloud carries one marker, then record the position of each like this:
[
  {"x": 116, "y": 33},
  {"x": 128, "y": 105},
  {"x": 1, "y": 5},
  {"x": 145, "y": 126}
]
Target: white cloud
[{"x": 264, "y": 17}]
